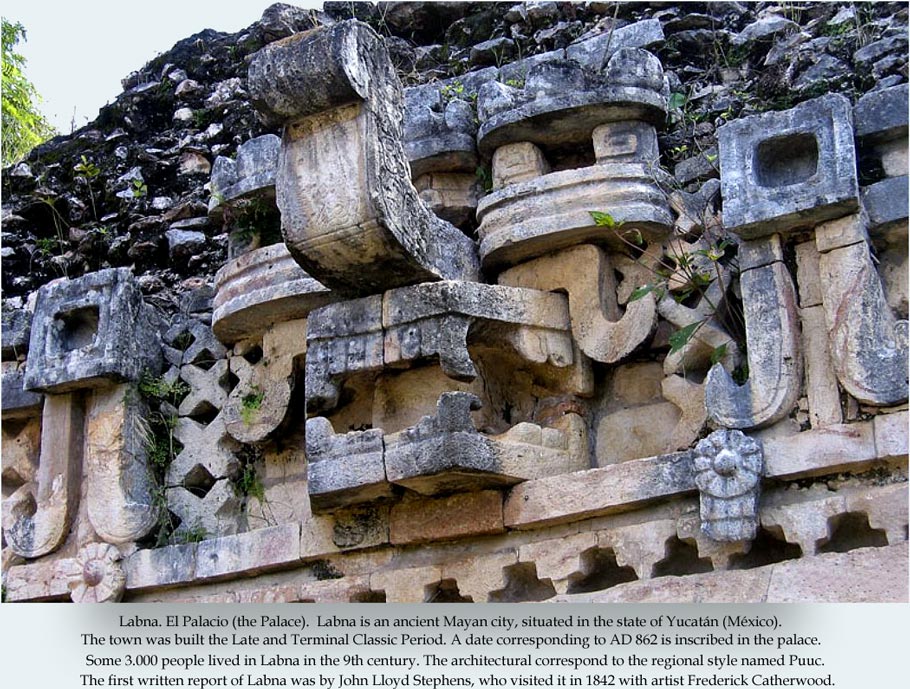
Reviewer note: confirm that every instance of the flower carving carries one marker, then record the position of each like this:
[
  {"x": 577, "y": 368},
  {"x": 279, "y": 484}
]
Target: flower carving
[{"x": 95, "y": 574}]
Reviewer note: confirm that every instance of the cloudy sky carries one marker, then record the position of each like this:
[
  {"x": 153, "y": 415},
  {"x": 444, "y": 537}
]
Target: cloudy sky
[{"x": 78, "y": 52}]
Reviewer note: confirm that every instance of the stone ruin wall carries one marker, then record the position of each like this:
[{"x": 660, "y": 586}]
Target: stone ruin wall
[{"x": 574, "y": 377}]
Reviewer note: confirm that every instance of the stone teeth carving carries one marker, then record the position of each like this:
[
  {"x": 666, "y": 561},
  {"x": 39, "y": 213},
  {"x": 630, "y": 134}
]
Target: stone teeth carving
[
  {"x": 95, "y": 575},
  {"x": 729, "y": 466},
  {"x": 868, "y": 344},
  {"x": 260, "y": 288},
  {"x": 91, "y": 331},
  {"x": 118, "y": 487},
  {"x": 585, "y": 272},
  {"x": 561, "y": 100},
  {"x": 772, "y": 335},
  {"x": 782, "y": 170},
  {"x": 439, "y": 134},
  {"x": 350, "y": 215},
  {"x": 431, "y": 320},
  {"x": 37, "y": 517}
]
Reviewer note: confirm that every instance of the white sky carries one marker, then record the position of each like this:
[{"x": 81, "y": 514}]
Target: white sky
[{"x": 77, "y": 52}]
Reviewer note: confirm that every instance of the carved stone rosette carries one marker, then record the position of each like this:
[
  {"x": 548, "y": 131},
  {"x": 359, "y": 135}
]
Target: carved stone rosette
[
  {"x": 728, "y": 469},
  {"x": 95, "y": 575}
]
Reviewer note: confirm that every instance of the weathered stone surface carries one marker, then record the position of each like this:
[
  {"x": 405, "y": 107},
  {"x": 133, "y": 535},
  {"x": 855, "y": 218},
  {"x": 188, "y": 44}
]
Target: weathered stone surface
[
  {"x": 518, "y": 162},
  {"x": 728, "y": 468},
  {"x": 38, "y": 515},
  {"x": 450, "y": 195},
  {"x": 261, "y": 288},
  {"x": 560, "y": 560},
  {"x": 439, "y": 130},
  {"x": 795, "y": 168},
  {"x": 775, "y": 360},
  {"x": 21, "y": 446},
  {"x": 89, "y": 332},
  {"x": 349, "y": 529},
  {"x": 635, "y": 432},
  {"x": 886, "y": 203},
  {"x": 118, "y": 479},
  {"x": 439, "y": 519},
  {"x": 17, "y": 326},
  {"x": 530, "y": 218},
  {"x": 585, "y": 273},
  {"x": 890, "y": 433},
  {"x": 594, "y": 52},
  {"x": 868, "y": 345},
  {"x": 480, "y": 575},
  {"x": 155, "y": 567},
  {"x": 882, "y": 114},
  {"x": 350, "y": 214},
  {"x": 248, "y": 553},
  {"x": 251, "y": 172},
  {"x": 259, "y": 403},
  {"x": 843, "y": 232},
  {"x": 344, "y": 469},
  {"x": 562, "y": 101},
  {"x": 860, "y": 576},
  {"x": 17, "y": 401},
  {"x": 821, "y": 382},
  {"x": 38, "y": 581},
  {"x": 405, "y": 585},
  {"x": 815, "y": 453}
]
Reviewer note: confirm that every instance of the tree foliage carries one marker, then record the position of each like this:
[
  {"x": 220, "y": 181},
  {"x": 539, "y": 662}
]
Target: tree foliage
[{"x": 24, "y": 127}]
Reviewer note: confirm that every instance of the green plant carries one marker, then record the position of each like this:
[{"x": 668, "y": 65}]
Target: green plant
[
  {"x": 86, "y": 171},
  {"x": 452, "y": 91},
  {"x": 194, "y": 534},
  {"x": 250, "y": 404},
  {"x": 683, "y": 274},
  {"x": 139, "y": 189},
  {"x": 159, "y": 389},
  {"x": 484, "y": 177},
  {"x": 24, "y": 127},
  {"x": 248, "y": 483},
  {"x": 515, "y": 83}
]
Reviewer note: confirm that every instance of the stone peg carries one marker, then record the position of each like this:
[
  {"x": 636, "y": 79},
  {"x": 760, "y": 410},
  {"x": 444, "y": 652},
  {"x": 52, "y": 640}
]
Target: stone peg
[
  {"x": 728, "y": 470},
  {"x": 772, "y": 337},
  {"x": 95, "y": 575},
  {"x": 868, "y": 345},
  {"x": 350, "y": 215},
  {"x": 600, "y": 329}
]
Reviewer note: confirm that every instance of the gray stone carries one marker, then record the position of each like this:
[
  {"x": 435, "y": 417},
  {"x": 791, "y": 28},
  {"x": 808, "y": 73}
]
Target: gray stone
[
  {"x": 594, "y": 52},
  {"x": 16, "y": 330},
  {"x": 91, "y": 331},
  {"x": 182, "y": 244},
  {"x": 879, "y": 49},
  {"x": 251, "y": 172},
  {"x": 783, "y": 170},
  {"x": 775, "y": 362},
  {"x": 493, "y": 52},
  {"x": 698, "y": 168},
  {"x": 728, "y": 470},
  {"x": 515, "y": 73},
  {"x": 225, "y": 92},
  {"x": 350, "y": 215},
  {"x": 344, "y": 469},
  {"x": 561, "y": 101},
  {"x": 764, "y": 28},
  {"x": 882, "y": 114},
  {"x": 17, "y": 401},
  {"x": 826, "y": 68},
  {"x": 439, "y": 130},
  {"x": 886, "y": 204},
  {"x": 280, "y": 20}
]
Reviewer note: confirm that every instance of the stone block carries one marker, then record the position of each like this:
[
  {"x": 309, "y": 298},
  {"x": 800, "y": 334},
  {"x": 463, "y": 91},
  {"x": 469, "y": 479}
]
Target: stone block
[
  {"x": 886, "y": 508},
  {"x": 639, "y": 546},
  {"x": 344, "y": 469},
  {"x": 157, "y": 567},
  {"x": 350, "y": 215},
  {"x": 594, "y": 52},
  {"x": 518, "y": 162},
  {"x": 16, "y": 330},
  {"x": 447, "y": 518},
  {"x": 91, "y": 331},
  {"x": 808, "y": 275},
  {"x": 882, "y": 114},
  {"x": 38, "y": 581},
  {"x": 789, "y": 169},
  {"x": 17, "y": 401},
  {"x": 480, "y": 575},
  {"x": 890, "y": 433},
  {"x": 562, "y": 101},
  {"x": 21, "y": 447},
  {"x": 558, "y": 560},
  {"x": 805, "y": 522},
  {"x": 260, "y": 288},
  {"x": 252, "y": 171},
  {"x": 842, "y": 232},
  {"x": 354, "y": 528},
  {"x": 405, "y": 585},
  {"x": 248, "y": 553},
  {"x": 822, "y": 389},
  {"x": 450, "y": 195},
  {"x": 641, "y": 431},
  {"x": 842, "y": 447},
  {"x": 886, "y": 204}
]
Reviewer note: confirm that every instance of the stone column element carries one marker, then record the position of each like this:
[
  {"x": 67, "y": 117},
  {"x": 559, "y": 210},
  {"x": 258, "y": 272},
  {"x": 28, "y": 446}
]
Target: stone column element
[
  {"x": 38, "y": 516},
  {"x": 118, "y": 486},
  {"x": 601, "y": 330},
  {"x": 772, "y": 334},
  {"x": 728, "y": 470},
  {"x": 868, "y": 344},
  {"x": 350, "y": 215},
  {"x": 95, "y": 575}
]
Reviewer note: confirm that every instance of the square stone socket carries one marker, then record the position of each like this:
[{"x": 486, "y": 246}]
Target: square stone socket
[
  {"x": 786, "y": 170},
  {"x": 89, "y": 332}
]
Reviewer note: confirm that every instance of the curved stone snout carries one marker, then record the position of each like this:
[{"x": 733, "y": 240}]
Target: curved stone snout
[{"x": 350, "y": 214}]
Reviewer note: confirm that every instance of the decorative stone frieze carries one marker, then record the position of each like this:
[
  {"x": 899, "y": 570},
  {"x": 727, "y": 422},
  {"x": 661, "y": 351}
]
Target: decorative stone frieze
[{"x": 96, "y": 574}]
